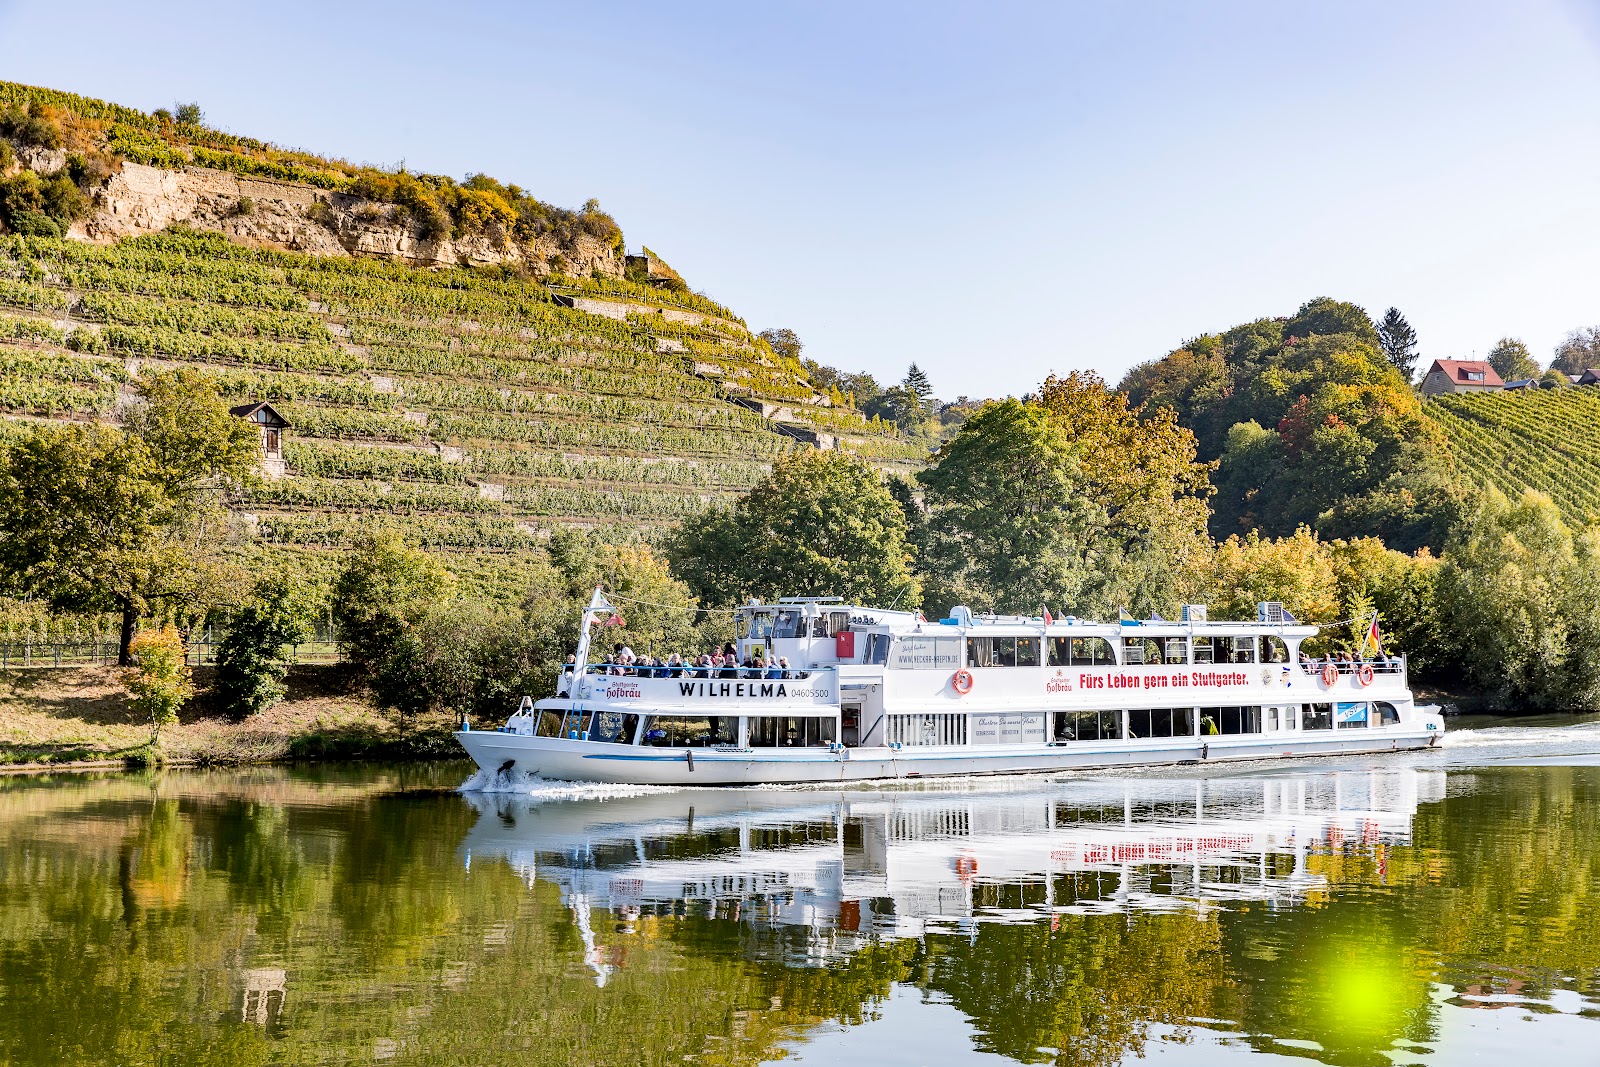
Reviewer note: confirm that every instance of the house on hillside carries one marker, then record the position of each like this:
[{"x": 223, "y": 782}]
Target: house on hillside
[
  {"x": 1588, "y": 377},
  {"x": 1522, "y": 383},
  {"x": 272, "y": 426},
  {"x": 1460, "y": 376}
]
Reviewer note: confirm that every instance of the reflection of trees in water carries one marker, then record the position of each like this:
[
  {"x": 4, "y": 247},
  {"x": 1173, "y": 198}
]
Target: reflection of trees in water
[
  {"x": 1089, "y": 989},
  {"x": 140, "y": 924}
]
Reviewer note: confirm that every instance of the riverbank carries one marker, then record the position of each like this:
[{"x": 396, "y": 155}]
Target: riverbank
[{"x": 80, "y": 717}]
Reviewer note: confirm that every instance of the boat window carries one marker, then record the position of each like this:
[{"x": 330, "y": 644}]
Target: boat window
[
  {"x": 1273, "y": 650},
  {"x": 1206, "y": 649},
  {"x": 826, "y": 624},
  {"x": 944, "y": 729},
  {"x": 1150, "y": 650},
  {"x": 1243, "y": 650},
  {"x": 805, "y": 731},
  {"x": 1177, "y": 649},
  {"x": 1080, "y": 652},
  {"x": 1161, "y": 722},
  {"x": 549, "y": 724},
  {"x": 1087, "y": 725},
  {"x": 1003, "y": 651},
  {"x": 790, "y": 623},
  {"x": 1386, "y": 713},
  {"x": 1230, "y": 720},
  {"x": 614, "y": 726},
  {"x": 1349, "y": 715},
  {"x": 690, "y": 731},
  {"x": 758, "y": 625},
  {"x": 877, "y": 649},
  {"x": 1316, "y": 717},
  {"x": 925, "y": 652}
]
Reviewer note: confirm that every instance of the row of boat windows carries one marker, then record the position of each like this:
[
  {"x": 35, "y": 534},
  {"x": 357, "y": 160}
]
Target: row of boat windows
[
  {"x": 960, "y": 728},
  {"x": 953, "y": 728},
  {"x": 944, "y": 653},
  {"x": 689, "y": 731}
]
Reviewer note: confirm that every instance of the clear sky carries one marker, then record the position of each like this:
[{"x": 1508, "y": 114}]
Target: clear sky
[{"x": 996, "y": 191}]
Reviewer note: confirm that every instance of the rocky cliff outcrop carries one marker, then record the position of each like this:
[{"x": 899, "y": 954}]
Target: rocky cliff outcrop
[{"x": 143, "y": 199}]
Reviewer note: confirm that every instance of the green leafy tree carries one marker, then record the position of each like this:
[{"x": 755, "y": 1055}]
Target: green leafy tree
[
  {"x": 785, "y": 342},
  {"x": 1325, "y": 316},
  {"x": 1522, "y": 596},
  {"x": 96, "y": 519},
  {"x": 253, "y": 655},
  {"x": 822, "y": 523},
  {"x": 1399, "y": 343},
  {"x": 159, "y": 682},
  {"x": 1511, "y": 360},
  {"x": 1026, "y": 507},
  {"x": 1579, "y": 352},
  {"x": 383, "y": 590}
]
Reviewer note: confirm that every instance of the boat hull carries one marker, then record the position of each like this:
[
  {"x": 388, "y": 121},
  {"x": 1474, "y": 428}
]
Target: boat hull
[{"x": 584, "y": 761}]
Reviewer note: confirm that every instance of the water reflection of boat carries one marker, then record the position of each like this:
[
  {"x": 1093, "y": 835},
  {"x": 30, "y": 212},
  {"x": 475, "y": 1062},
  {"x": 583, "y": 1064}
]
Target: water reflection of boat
[{"x": 847, "y": 866}]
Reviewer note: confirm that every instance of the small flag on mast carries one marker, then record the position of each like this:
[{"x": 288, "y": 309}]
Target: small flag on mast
[
  {"x": 1374, "y": 638},
  {"x": 1047, "y": 619}
]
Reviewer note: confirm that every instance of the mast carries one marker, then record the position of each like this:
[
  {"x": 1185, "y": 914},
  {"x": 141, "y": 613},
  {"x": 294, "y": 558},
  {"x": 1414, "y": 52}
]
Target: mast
[{"x": 597, "y": 604}]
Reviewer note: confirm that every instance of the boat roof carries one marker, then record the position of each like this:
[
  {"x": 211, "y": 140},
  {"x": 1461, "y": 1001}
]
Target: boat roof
[{"x": 964, "y": 621}]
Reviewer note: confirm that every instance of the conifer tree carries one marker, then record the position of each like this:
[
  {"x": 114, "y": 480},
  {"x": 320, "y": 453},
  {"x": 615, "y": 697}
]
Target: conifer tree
[
  {"x": 917, "y": 384},
  {"x": 1399, "y": 342}
]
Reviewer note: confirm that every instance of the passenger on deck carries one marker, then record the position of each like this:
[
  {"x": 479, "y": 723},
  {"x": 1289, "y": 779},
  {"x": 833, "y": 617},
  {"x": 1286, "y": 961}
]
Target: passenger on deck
[
  {"x": 780, "y": 669},
  {"x": 674, "y": 665},
  {"x": 730, "y": 666}
]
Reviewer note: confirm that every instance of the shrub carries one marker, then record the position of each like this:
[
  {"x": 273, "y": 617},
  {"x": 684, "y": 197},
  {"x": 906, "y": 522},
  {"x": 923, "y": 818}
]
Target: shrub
[
  {"x": 30, "y": 124},
  {"x": 252, "y": 657},
  {"x": 321, "y": 212},
  {"x": 86, "y": 340},
  {"x": 245, "y": 206},
  {"x": 188, "y": 114}
]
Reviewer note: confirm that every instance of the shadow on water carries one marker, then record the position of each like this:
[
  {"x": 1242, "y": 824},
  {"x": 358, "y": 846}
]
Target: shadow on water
[{"x": 1351, "y": 914}]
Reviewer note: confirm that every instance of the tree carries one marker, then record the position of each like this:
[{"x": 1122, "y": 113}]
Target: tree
[
  {"x": 1511, "y": 360},
  {"x": 1069, "y": 498},
  {"x": 1579, "y": 352},
  {"x": 188, "y": 114},
  {"x": 252, "y": 657},
  {"x": 784, "y": 341},
  {"x": 1522, "y": 598},
  {"x": 160, "y": 681},
  {"x": 1399, "y": 342},
  {"x": 1324, "y": 316},
  {"x": 821, "y": 524},
  {"x": 916, "y": 383},
  {"x": 385, "y": 587},
  {"x": 96, "y": 519}
]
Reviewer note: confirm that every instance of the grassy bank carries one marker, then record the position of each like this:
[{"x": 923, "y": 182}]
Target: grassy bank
[{"x": 52, "y": 717}]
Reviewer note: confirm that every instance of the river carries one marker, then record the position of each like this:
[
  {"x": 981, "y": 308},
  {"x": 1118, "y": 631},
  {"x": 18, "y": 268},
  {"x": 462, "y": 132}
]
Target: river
[{"x": 1434, "y": 908}]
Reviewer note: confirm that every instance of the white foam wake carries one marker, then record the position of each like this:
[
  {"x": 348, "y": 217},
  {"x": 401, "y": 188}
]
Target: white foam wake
[
  {"x": 1581, "y": 733},
  {"x": 520, "y": 783}
]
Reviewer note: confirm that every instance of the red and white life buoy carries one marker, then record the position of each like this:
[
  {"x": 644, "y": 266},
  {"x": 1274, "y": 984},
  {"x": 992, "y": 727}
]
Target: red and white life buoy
[
  {"x": 961, "y": 682},
  {"x": 1330, "y": 674},
  {"x": 1364, "y": 674}
]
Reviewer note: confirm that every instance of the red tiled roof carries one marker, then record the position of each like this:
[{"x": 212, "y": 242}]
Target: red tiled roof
[{"x": 1457, "y": 369}]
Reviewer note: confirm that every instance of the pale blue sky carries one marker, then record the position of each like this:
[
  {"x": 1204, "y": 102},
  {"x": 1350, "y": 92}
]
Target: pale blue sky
[{"x": 996, "y": 191}]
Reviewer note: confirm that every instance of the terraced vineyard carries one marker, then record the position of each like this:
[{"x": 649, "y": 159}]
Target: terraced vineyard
[
  {"x": 471, "y": 407},
  {"x": 1544, "y": 439}
]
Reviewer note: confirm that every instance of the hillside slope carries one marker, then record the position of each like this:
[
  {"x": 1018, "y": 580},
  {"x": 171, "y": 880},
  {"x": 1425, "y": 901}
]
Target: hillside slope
[
  {"x": 472, "y": 406},
  {"x": 1543, "y": 439}
]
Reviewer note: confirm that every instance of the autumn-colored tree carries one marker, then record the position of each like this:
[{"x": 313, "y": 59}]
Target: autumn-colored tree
[{"x": 159, "y": 681}]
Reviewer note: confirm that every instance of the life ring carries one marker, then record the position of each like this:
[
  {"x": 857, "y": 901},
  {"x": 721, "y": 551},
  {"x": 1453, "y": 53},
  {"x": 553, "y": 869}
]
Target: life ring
[
  {"x": 961, "y": 682},
  {"x": 1364, "y": 674},
  {"x": 1330, "y": 674}
]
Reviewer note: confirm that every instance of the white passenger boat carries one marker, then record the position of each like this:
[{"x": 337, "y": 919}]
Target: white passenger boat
[{"x": 875, "y": 693}]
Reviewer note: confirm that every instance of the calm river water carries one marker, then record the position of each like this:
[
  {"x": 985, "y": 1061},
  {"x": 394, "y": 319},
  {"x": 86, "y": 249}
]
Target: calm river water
[{"x": 1439, "y": 908}]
